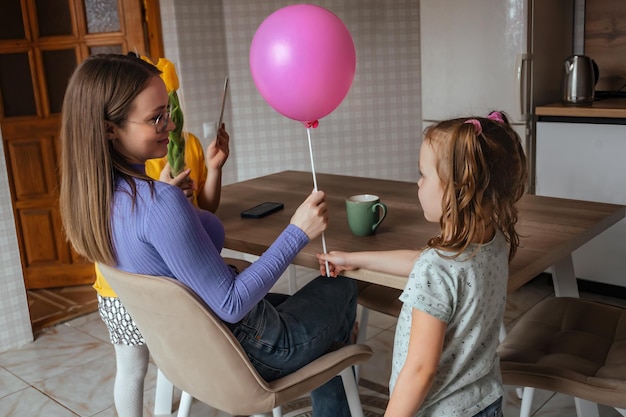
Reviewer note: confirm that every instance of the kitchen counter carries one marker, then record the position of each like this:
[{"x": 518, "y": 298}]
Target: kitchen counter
[{"x": 606, "y": 108}]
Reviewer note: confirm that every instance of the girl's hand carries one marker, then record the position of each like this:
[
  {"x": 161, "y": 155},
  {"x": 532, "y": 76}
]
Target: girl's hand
[
  {"x": 337, "y": 262},
  {"x": 312, "y": 215},
  {"x": 218, "y": 151},
  {"x": 181, "y": 181}
]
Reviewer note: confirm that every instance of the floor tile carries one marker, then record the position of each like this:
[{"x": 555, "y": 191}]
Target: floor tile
[
  {"x": 86, "y": 389},
  {"x": 54, "y": 351},
  {"x": 9, "y": 383},
  {"x": 29, "y": 402},
  {"x": 512, "y": 402},
  {"x": 91, "y": 324}
]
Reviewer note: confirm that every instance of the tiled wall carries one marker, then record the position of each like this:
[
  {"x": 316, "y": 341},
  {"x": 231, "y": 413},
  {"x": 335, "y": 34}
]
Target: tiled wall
[
  {"x": 376, "y": 131},
  {"x": 15, "y": 328}
]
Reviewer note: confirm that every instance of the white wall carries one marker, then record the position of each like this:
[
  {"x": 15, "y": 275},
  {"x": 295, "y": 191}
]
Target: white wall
[{"x": 15, "y": 327}]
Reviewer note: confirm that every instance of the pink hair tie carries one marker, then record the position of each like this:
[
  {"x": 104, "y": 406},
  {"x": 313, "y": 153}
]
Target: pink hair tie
[
  {"x": 496, "y": 116},
  {"x": 478, "y": 129}
]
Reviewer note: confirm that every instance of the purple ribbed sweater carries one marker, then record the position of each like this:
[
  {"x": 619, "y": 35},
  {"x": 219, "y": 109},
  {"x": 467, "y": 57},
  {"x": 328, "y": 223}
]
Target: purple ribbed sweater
[{"x": 164, "y": 234}]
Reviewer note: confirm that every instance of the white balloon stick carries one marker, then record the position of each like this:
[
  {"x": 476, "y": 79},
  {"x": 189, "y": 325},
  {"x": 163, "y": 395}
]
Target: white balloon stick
[{"x": 308, "y": 133}]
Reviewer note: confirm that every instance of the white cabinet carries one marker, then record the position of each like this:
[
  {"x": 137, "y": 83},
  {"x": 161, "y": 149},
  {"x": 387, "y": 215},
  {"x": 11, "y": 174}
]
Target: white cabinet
[{"x": 587, "y": 161}]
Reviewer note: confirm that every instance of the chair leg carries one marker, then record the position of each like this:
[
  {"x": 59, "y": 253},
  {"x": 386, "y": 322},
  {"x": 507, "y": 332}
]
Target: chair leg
[
  {"x": 164, "y": 393},
  {"x": 352, "y": 392},
  {"x": 184, "y": 407},
  {"x": 527, "y": 402},
  {"x": 586, "y": 408},
  {"x": 622, "y": 411},
  {"x": 277, "y": 412}
]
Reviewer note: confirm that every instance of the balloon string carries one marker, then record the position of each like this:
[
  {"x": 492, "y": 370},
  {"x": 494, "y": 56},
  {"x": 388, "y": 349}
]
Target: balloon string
[{"x": 308, "y": 133}]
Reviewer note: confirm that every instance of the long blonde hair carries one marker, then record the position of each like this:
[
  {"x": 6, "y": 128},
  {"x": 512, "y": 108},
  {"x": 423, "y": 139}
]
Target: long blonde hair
[
  {"x": 483, "y": 170},
  {"x": 100, "y": 92}
]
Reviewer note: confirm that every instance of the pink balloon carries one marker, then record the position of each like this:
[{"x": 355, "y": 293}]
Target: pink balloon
[{"x": 303, "y": 60}]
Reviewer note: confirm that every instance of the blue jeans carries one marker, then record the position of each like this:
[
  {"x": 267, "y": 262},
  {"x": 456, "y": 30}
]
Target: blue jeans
[
  {"x": 493, "y": 410},
  {"x": 281, "y": 334}
]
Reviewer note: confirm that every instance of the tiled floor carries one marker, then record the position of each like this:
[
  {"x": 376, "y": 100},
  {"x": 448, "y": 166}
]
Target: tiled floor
[{"x": 69, "y": 369}]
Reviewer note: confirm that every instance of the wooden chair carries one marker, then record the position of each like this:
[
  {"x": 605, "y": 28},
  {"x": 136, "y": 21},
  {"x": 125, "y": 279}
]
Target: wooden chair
[
  {"x": 572, "y": 346},
  {"x": 200, "y": 355}
]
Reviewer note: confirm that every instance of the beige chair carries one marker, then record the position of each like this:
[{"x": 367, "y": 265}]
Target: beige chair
[
  {"x": 200, "y": 355},
  {"x": 164, "y": 390},
  {"x": 572, "y": 346}
]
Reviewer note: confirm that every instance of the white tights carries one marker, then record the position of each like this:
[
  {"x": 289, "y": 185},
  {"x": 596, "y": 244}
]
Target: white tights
[{"x": 132, "y": 366}]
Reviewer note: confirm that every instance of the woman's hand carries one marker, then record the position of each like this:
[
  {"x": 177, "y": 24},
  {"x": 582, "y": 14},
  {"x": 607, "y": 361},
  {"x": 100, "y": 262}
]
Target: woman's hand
[
  {"x": 337, "y": 262},
  {"x": 312, "y": 215},
  {"x": 218, "y": 151},
  {"x": 181, "y": 181}
]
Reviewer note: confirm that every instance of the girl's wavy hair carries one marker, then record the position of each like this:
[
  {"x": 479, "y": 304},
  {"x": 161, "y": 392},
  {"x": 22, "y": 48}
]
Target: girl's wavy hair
[
  {"x": 483, "y": 169},
  {"x": 100, "y": 92}
]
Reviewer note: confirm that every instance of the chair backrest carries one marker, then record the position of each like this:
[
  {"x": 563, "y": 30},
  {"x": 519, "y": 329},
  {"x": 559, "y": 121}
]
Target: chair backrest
[{"x": 193, "y": 348}]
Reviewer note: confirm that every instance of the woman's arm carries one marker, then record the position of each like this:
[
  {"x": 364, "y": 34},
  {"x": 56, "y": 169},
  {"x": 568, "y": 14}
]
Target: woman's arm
[
  {"x": 420, "y": 368},
  {"x": 174, "y": 230}
]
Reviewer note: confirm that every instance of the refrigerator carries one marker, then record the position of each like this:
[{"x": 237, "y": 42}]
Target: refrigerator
[{"x": 483, "y": 55}]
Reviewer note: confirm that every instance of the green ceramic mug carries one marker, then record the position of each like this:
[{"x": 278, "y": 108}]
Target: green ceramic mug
[{"x": 365, "y": 213}]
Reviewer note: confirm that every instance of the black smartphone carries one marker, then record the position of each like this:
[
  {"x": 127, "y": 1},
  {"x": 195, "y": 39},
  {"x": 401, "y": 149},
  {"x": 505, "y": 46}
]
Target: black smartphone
[{"x": 262, "y": 210}]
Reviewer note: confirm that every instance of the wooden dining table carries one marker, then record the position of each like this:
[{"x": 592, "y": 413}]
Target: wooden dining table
[{"x": 550, "y": 228}]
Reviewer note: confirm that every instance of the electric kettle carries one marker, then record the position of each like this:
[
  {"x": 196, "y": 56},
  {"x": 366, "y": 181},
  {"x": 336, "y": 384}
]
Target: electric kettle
[{"x": 580, "y": 75}]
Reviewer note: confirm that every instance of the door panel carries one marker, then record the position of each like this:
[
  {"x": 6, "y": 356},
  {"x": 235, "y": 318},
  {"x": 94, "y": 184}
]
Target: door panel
[
  {"x": 33, "y": 168},
  {"x": 41, "y": 42}
]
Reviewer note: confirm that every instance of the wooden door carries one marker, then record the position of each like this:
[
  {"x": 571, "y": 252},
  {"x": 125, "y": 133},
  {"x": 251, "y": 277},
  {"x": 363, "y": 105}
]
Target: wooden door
[{"x": 41, "y": 42}]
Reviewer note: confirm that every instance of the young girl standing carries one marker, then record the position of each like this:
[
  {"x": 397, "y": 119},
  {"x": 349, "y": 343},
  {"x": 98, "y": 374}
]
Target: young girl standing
[{"x": 472, "y": 173}]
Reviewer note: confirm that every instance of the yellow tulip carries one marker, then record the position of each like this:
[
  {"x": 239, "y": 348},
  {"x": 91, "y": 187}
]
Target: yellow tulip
[{"x": 168, "y": 74}]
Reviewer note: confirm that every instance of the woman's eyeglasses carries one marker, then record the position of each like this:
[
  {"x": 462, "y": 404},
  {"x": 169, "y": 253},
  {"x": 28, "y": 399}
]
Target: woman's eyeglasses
[{"x": 160, "y": 122}]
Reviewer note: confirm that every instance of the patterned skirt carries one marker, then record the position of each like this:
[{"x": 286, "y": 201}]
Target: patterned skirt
[{"x": 122, "y": 328}]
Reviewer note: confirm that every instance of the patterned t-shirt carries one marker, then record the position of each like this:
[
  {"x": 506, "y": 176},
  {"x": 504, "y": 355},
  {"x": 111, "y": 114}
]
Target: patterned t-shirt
[{"x": 469, "y": 295}]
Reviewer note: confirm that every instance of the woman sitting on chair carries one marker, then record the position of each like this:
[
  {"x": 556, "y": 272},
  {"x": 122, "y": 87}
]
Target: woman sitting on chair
[{"x": 115, "y": 118}]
